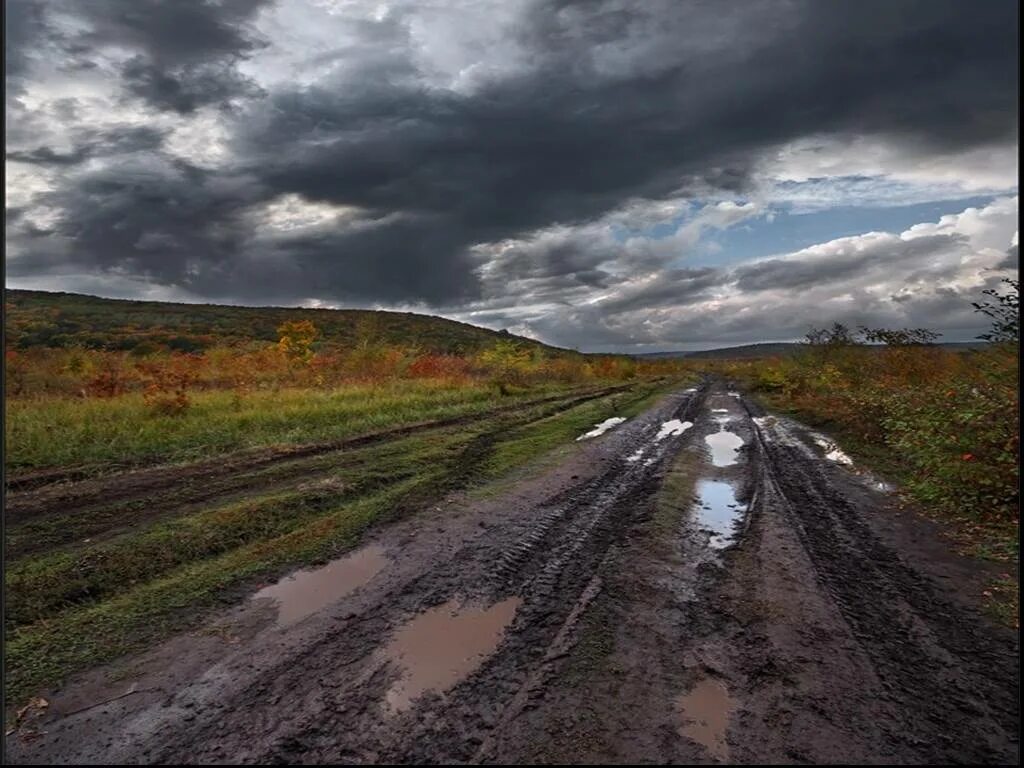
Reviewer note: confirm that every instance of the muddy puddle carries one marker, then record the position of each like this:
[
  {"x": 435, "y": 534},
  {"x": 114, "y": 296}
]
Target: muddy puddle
[
  {"x": 718, "y": 511},
  {"x": 671, "y": 428},
  {"x": 725, "y": 447},
  {"x": 636, "y": 456},
  {"x": 600, "y": 429},
  {"x": 306, "y": 592},
  {"x": 833, "y": 452},
  {"x": 705, "y": 712},
  {"x": 443, "y": 646}
]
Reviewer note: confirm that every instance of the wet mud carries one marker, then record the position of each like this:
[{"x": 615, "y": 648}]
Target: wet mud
[{"x": 774, "y": 611}]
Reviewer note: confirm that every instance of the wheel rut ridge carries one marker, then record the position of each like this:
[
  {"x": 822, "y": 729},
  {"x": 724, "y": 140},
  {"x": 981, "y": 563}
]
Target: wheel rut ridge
[
  {"x": 560, "y": 575},
  {"x": 26, "y": 504},
  {"x": 935, "y": 663},
  {"x": 303, "y": 725}
]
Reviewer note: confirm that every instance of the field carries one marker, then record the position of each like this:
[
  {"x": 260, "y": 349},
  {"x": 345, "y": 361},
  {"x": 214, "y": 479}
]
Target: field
[
  {"x": 152, "y": 490},
  {"x": 196, "y": 474}
]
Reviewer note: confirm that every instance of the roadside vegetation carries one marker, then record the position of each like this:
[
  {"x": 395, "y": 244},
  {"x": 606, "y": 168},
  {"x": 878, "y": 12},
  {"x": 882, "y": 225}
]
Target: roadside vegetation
[
  {"x": 250, "y": 458},
  {"x": 944, "y": 424}
]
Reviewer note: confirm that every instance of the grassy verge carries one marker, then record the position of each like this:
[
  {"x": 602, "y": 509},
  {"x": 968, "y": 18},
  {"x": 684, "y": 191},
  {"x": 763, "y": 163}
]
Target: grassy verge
[
  {"x": 74, "y": 605},
  {"x": 524, "y": 444},
  {"x": 61, "y": 432}
]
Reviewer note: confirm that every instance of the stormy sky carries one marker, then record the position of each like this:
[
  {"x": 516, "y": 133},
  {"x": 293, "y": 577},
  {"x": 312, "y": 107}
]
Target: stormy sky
[{"x": 599, "y": 174}]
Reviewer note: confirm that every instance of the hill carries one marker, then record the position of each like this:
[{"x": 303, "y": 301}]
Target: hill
[
  {"x": 44, "y": 319},
  {"x": 774, "y": 349}
]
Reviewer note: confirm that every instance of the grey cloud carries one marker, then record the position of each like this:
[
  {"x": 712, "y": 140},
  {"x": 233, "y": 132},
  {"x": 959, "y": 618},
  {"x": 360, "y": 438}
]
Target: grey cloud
[
  {"x": 116, "y": 141},
  {"x": 187, "y": 88},
  {"x": 672, "y": 287},
  {"x": 612, "y": 101},
  {"x": 840, "y": 263},
  {"x": 1012, "y": 260}
]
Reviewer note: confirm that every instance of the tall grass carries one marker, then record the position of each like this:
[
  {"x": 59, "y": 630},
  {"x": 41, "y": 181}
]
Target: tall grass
[{"x": 57, "y": 431}]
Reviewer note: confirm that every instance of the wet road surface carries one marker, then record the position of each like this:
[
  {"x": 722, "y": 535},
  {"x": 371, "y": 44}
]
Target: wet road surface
[{"x": 701, "y": 583}]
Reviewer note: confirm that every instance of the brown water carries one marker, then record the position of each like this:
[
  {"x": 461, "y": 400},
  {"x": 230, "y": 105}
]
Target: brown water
[
  {"x": 705, "y": 714},
  {"x": 444, "y": 645},
  {"x": 306, "y": 592}
]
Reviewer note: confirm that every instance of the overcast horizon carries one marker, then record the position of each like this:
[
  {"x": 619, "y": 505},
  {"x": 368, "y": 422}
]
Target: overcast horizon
[{"x": 607, "y": 176}]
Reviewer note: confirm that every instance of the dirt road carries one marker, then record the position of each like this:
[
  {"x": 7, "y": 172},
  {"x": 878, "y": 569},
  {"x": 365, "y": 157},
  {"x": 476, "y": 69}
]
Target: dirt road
[{"x": 702, "y": 583}]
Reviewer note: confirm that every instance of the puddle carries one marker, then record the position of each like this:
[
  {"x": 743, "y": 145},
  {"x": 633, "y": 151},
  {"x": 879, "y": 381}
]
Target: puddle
[
  {"x": 718, "y": 511},
  {"x": 306, "y": 592},
  {"x": 444, "y": 645},
  {"x": 725, "y": 447},
  {"x": 636, "y": 456},
  {"x": 833, "y": 452},
  {"x": 600, "y": 429},
  {"x": 673, "y": 427},
  {"x": 705, "y": 712}
]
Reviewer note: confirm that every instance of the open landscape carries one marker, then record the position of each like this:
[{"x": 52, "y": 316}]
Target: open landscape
[
  {"x": 342, "y": 548},
  {"x": 511, "y": 382}
]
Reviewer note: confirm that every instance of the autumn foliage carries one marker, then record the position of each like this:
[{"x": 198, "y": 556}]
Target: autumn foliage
[{"x": 948, "y": 418}]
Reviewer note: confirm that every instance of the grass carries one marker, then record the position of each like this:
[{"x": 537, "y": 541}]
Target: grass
[
  {"x": 123, "y": 430},
  {"x": 525, "y": 443},
  {"x": 73, "y": 604}
]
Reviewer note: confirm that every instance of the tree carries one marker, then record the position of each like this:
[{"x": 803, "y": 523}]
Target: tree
[
  {"x": 1005, "y": 312},
  {"x": 297, "y": 337},
  {"x": 836, "y": 336},
  {"x": 899, "y": 337}
]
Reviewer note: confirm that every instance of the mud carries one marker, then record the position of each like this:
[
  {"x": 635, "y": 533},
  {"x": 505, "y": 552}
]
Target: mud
[
  {"x": 705, "y": 712},
  {"x": 305, "y": 592},
  {"x": 571, "y": 618},
  {"x": 442, "y": 646}
]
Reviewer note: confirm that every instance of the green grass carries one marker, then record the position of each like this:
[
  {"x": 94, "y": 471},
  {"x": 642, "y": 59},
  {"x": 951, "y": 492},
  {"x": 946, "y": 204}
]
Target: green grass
[
  {"x": 525, "y": 443},
  {"x": 80, "y": 604},
  {"x": 60, "y": 432}
]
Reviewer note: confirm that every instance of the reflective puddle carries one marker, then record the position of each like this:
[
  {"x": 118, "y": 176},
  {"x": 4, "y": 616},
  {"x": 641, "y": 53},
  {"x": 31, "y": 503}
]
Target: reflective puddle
[
  {"x": 718, "y": 511},
  {"x": 833, "y": 452},
  {"x": 705, "y": 712},
  {"x": 673, "y": 427},
  {"x": 306, "y": 592},
  {"x": 600, "y": 429},
  {"x": 444, "y": 645},
  {"x": 636, "y": 456},
  {"x": 724, "y": 447}
]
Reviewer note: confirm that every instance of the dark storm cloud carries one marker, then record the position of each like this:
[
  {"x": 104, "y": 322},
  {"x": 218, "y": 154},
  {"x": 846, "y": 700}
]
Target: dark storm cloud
[
  {"x": 185, "y": 89},
  {"x": 171, "y": 31},
  {"x": 117, "y": 141},
  {"x": 572, "y": 135},
  {"x": 611, "y": 101},
  {"x": 1012, "y": 260},
  {"x": 185, "y": 51},
  {"x": 23, "y": 26}
]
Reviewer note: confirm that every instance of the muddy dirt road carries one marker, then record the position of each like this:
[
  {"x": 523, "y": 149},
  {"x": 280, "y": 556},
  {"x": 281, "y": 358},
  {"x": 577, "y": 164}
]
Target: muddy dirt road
[{"x": 702, "y": 583}]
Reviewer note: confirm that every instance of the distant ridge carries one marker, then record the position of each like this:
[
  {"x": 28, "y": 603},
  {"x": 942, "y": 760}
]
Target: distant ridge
[
  {"x": 45, "y": 319},
  {"x": 773, "y": 349}
]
